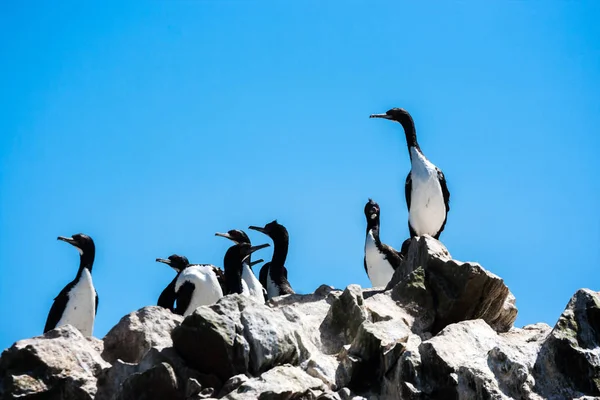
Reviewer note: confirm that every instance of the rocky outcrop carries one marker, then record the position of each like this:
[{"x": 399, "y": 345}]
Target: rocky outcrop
[
  {"x": 452, "y": 290},
  {"x": 442, "y": 329},
  {"x": 138, "y": 332},
  {"x": 62, "y": 364}
]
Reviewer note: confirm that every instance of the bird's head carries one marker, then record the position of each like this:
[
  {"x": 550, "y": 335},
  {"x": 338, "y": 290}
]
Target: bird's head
[
  {"x": 83, "y": 243},
  {"x": 395, "y": 114},
  {"x": 235, "y": 235},
  {"x": 371, "y": 210},
  {"x": 175, "y": 261},
  {"x": 273, "y": 229}
]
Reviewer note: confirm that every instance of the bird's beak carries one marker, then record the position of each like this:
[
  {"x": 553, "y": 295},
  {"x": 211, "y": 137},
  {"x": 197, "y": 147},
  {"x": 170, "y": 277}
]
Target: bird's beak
[
  {"x": 260, "y": 246},
  {"x": 255, "y": 248},
  {"x": 66, "y": 239},
  {"x": 253, "y": 263},
  {"x": 164, "y": 261},
  {"x": 385, "y": 116},
  {"x": 257, "y": 228},
  {"x": 225, "y": 235}
]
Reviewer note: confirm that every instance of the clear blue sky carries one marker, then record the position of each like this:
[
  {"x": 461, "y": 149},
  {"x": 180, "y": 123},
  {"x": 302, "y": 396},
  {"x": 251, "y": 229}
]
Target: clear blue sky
[{"x": 152, "y": 125}]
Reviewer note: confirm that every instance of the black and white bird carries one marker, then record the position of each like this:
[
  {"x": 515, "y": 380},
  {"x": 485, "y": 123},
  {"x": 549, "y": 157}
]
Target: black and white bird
[
  {"x": 427, "y": 195},
  {"x": 380, "y": 259},
  {"x": 233, "y": 263},
  {"x": 168, "y": 296},
  {"x": 195, "y": 285},
  {"x": 77, "y": 303},
  {"x": 273, "y": 275},
  {"x": 255, "y": 289}
]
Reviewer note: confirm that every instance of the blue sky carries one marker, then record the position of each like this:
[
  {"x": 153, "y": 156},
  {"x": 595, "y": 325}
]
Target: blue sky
[{"x": 152, "y": 125}]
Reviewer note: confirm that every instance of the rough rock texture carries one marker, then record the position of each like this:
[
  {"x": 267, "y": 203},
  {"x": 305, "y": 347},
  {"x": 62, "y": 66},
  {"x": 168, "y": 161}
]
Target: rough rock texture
[
  {"x": 459, "y": 291},
  {"x": 138, "y": 332},
  {"x": 442, "y": 329},
  {"x": 62, "y": 364},
  {"x": 569, "y": 362}
]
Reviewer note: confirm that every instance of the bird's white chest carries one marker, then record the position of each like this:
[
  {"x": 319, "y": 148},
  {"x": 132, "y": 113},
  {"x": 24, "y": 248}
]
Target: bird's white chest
[
  {"x": 427, "y": 209},
  {"x": 379, "y": 269},
  {"x": 80, "y": 310},
  {"x": 206, "y": 286},
  {"x": 253, "y": 286}
]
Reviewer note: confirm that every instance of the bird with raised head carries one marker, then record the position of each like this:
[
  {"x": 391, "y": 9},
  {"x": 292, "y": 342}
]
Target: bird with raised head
[
  {"x": 380, "y": 260},
  {"x": 233, "y": 263},
  {"x": 77, "y": 303},
  {"x": 273, "y": 275},
  {"x": 425, "y": 189}
]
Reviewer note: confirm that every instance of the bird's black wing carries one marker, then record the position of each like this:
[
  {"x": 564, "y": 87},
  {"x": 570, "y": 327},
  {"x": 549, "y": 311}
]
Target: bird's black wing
[
  {"x": 285, "y": 287},
  {"x": 393, "y": 256},
  {"x": 262, "y": 275},
  {"x": 445, "y": 191},
  {"x": 365, "y": 264},
  {"x": 168, "y": 296},
  {"x": 60, "y": 302},
  {"x": 184, "y": 297},
  {"x": 408, "y": 190}
]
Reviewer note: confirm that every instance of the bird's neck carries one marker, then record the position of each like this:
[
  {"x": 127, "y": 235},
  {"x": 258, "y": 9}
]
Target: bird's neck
[
  {"x": 279, "y": 253},
  {"x": 411, "y": 135},
  {"x": 86, "y": 260},
  {"x": 373, "y": 228},
  {"x": 233, "y": 276}
]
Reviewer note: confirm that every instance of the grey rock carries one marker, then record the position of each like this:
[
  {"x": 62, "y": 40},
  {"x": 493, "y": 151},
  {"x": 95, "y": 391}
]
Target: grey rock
[
  {"x": 270, "y": 336},
  {"x": 462, "y": 291},
  {"x": 344, "y": 318},
  {"x": 138, "y": 332},
  {"x": 568, "y": 364},
  {"x": 442, "y": 331},
  {"x": 62, "y": 364},
  {"x": 232, "y": 384},
  {"x": 211, "y": 338},
  {"x": 280, "y": 383},
  {"x": 375, "y": 349},
  {"x": 157, "y": 383}
]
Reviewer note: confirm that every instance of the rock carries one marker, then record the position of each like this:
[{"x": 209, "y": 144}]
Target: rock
[
  {"x": 270, "y": 336},
  {"x": 344, "y": 318},
  {"x": 138, "y": 332},
  {"x": 211, "y": 338},
  {"x": 462, "y": 291},
  {"x": 442, "y": 331},
  {"x": 512, "y": 360},
  {"x": 110, "y": 382},
  {"x": 568, "y": 364},
  {"x": 157, "y": 383},
  {"x": 280, "y": 383},
  {"x": 62, "y": 364},
  {"x": 374, "y": 351},
  {"x": 232, "y": 384}
]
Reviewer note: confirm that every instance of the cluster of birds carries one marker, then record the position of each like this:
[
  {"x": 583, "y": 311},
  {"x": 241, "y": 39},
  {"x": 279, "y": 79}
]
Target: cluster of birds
[{"x": 427, "y": 200}]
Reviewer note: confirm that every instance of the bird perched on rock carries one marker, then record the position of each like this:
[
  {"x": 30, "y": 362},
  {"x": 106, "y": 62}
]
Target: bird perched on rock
[
  {"x": 233, "y": 263},
  {"x": 380, "y": 260},
  {"x": 273, "y": 275},
  {"x": 427, "y": 195},
  {"x": 256, "y": 290},
  {"x": 77, "y": 303},
  {"x": 195, "y": 285}
]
